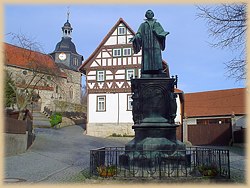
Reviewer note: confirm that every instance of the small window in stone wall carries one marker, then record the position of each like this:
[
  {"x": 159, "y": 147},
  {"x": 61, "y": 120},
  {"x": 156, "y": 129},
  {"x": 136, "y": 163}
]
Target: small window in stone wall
[
  {"x": 25, "y": 72},
  {"x": 71, "y": 93}
]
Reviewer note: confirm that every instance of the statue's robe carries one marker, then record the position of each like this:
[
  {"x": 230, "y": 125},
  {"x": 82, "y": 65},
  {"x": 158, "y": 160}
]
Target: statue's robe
[{"x": 150, "y": 37}]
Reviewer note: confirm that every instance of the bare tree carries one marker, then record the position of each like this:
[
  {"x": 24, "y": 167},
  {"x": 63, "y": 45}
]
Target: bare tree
[
  {"x": 36, "y": 70},
  {"x": 227, "y": 26}
]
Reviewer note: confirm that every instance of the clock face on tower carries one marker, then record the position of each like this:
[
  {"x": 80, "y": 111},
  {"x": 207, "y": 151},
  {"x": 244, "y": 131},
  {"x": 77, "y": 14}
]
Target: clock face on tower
[{"x": 62, "y": 56}]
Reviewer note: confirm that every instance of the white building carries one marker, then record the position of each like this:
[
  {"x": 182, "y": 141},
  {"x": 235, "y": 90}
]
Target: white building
[{"x": 108, "y": 71}]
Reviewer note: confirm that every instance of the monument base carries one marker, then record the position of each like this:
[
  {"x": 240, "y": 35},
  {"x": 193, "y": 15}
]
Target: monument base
[
  {"x": 155, "y": 136},
  {"x": 154, "y": 112},
  {"x": 154, "y": 144}
]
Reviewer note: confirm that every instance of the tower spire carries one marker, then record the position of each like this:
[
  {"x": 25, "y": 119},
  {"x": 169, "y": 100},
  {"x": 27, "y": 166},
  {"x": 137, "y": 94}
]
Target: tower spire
[
  {"x": 68, "y": 14},
  {"x": 67, "y": 29}
]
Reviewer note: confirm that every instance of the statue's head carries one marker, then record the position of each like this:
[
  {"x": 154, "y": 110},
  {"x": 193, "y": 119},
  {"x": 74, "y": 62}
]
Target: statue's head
[{"x": 149, "y": 14}]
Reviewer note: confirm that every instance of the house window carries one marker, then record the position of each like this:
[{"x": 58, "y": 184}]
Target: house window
[
  {"x": 117, "y": 52},
  {"x": 100, "y": 76},
  {"x": 101, "y": 103},
  {"x": 121, "y": 30},
  {"x": 130, "y": 73},
  {"x": 126, "y": 51},
  {"x": 129, "y": 102}
]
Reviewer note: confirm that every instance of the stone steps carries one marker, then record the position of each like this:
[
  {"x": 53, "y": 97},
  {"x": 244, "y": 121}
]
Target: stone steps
[{"x": 40, "y": 120}]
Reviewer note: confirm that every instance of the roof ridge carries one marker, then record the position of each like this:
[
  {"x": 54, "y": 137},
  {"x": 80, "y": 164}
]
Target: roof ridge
[
  {"x": 217, "y": 90},
  {"x": 24, "y": 48}
]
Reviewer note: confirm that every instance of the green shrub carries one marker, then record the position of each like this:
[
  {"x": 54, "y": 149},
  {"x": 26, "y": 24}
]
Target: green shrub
[
  {"x": 55, "y": 119},
  {"x": 208, "y": 170}
]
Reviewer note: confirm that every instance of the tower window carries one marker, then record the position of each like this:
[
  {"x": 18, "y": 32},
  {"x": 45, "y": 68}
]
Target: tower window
[{"x": 75, "y": 62}]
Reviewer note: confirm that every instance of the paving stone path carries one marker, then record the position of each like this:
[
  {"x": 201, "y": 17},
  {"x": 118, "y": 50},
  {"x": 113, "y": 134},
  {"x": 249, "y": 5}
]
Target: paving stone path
[
  {"x": 59, "y": 155},
  {"x": 55, "y": 156}
]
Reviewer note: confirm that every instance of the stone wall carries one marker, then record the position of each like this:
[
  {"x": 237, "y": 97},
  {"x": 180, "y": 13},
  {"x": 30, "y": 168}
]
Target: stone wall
[
  {"x": 107, "y": 129},
  {"x": 73, "y": 82},
  {"x": 15, "y": 143}
]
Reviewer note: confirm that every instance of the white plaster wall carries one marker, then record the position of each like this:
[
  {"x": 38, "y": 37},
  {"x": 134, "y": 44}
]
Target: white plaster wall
[
  {"x": 111, "y": 41},
  {"x": 125, "y": 115},
  {"x": 109, "y": 116},
  {"x": 112, "y": 112},
  {"x": 121, "y": 39}
]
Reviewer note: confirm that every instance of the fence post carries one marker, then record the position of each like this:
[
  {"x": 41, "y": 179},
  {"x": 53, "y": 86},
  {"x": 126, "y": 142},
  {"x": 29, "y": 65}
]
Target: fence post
[
  {"x": 159, "y": 162},
  {"x": 91, "y": 165},
  {"x": 228, "y": 162},
  {"x": 220, "y": 160}
]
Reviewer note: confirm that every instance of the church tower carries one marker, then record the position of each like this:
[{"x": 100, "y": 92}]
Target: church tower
[
  {"x": 65, "y": 54},
  {"x": 68, "y": 60}
]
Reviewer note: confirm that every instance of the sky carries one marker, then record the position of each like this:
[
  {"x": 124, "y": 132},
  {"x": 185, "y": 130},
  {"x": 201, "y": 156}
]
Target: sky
[{"x": 199, "y": 66}]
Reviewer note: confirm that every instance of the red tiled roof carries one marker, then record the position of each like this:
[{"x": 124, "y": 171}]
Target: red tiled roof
[
  {"x": 24, "y": 58},
  {"x": 215, "y": 103}
]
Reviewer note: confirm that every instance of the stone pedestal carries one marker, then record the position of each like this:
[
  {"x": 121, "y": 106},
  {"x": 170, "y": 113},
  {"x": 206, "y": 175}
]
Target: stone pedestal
[{"x": 154, "y": 111}]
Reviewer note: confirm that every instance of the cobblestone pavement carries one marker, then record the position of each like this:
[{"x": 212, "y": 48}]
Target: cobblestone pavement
[
  {"x": 59, "y": 156},
  {"x": 55, "y": 156}
]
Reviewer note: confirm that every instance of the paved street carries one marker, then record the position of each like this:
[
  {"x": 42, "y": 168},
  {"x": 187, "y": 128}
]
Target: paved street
[
  {"x": 58, "y": 155},
  {"x": 55, "y": 156}
]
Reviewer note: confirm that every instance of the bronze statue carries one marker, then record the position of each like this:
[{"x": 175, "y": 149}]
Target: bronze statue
[{"x": 150, "y": 37}]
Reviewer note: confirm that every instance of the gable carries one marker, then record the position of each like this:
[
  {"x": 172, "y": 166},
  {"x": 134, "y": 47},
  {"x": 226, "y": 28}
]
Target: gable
[{"x": 111, "y": 39}]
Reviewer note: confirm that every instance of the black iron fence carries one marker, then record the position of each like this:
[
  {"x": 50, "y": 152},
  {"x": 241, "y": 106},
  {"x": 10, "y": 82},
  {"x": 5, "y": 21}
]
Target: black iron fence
[{"x": 192, "y": 162}]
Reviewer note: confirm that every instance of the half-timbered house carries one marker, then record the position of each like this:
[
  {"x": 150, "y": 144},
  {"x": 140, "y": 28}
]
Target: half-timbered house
[{"x": 108, "y": 71}]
